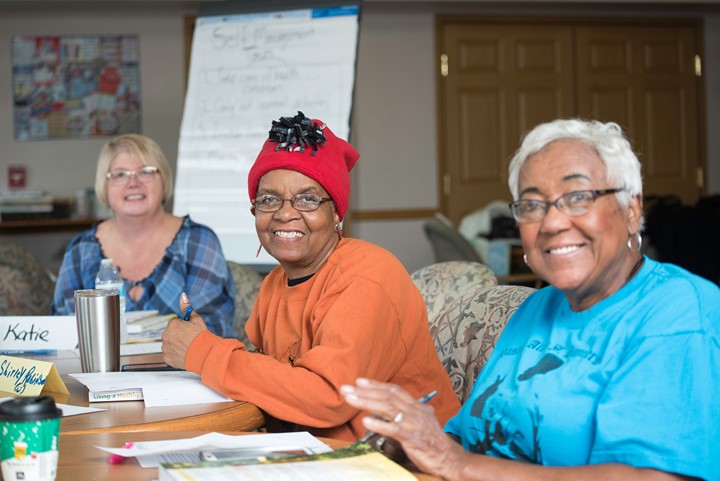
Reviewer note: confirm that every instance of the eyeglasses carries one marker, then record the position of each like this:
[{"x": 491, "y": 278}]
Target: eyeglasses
[
  {"x": 301, "y": 202},
  {"x": 122, "y": 177},
  {"x": 573, "y": 204}
]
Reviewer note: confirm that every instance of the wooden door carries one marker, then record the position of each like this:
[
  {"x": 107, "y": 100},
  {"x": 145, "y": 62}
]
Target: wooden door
[
  {"x": 503, "y": 76},
  {"x": 644, "y": 79},
  {"x": 500, "y": 81}
]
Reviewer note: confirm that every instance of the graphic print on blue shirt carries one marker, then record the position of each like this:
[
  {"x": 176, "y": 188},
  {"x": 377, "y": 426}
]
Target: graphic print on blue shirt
[
  {"x": 500, "y": 435},
  {"x": 631, "y": 364}
]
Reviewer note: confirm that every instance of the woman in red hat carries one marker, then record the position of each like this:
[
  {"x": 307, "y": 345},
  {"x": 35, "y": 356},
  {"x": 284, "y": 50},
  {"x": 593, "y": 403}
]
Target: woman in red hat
[{"x": 334, "y": 309}]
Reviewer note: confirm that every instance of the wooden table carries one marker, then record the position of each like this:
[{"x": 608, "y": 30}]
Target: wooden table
[
  {"x": 130, "y": 416},
  {"x": 81, "y": 460}
]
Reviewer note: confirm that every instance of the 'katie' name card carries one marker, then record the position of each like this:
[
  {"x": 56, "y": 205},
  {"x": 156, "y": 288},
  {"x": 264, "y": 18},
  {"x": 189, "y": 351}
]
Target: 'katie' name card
[
  {"x": 28, "y": 377},
  {"x": 28, "y": 334}
]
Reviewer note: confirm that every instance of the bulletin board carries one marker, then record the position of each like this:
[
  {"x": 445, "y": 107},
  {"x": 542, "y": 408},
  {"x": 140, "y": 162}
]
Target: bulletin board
[
  {"x": 75, "y": 86},
  {"x": 246, "y": 70}
]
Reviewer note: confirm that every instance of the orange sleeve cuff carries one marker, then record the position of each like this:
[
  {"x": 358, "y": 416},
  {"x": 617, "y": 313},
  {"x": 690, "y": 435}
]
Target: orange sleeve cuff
[{"x": 199, "y": 351}]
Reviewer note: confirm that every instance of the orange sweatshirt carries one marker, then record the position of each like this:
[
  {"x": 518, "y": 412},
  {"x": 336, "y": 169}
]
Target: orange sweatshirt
[{"x": 359, "y": 315}]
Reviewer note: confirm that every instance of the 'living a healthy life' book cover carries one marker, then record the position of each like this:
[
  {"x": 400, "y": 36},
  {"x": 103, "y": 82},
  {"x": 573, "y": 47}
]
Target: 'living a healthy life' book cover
[{"x": 358, "y": 461}]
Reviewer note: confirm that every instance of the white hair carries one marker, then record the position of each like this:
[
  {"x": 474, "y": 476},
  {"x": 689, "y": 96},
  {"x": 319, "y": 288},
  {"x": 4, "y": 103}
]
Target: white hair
[{"x": 622, "y": 167}]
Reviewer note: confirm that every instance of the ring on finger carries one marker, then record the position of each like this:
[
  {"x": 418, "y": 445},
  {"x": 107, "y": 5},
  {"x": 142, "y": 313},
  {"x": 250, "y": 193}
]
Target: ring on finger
[{"x": 398, "y": 417}]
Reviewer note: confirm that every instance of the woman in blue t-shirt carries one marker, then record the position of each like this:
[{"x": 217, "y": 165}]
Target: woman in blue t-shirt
[{"x": 610, "y": 372}]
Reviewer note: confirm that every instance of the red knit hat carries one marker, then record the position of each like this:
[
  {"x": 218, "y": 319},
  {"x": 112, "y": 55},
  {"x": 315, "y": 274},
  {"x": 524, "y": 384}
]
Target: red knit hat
[{"x": 309, "y": 147}]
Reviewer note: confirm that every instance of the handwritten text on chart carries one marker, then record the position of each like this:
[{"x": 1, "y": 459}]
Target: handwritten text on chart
[
  {"x": 246, "y": 71},
  {"x": 255, "y": 38}
]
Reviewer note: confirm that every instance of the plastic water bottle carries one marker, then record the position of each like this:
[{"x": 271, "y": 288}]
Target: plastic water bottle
[{"x": 108, "y": 277}]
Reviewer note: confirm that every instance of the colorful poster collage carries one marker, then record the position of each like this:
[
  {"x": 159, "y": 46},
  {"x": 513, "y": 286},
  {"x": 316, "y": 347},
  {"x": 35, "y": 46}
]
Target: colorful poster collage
[{"x": 75, "y": 86}]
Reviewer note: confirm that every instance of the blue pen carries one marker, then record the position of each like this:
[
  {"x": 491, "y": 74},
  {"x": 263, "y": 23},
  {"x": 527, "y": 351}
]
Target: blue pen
[
  {"x": 188, "y": 310},
  {"x": 38, "y": 352},
  {"x": 426, "y": 398}
]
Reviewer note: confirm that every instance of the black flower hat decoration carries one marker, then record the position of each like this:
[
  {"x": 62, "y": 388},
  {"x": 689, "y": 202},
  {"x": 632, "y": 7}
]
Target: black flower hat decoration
[{"x": 294, "y": 133}]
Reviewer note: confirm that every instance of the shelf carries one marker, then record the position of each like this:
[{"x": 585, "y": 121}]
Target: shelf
[{"x": 40, "y": 226}]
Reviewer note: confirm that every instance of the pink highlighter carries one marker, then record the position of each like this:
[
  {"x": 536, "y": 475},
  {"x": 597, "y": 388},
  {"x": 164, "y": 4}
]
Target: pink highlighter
[{"x": 116, "y": 458}]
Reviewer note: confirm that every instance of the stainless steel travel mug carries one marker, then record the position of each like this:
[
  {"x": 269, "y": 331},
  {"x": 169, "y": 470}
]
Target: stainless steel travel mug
[{"x": 98, "y": 322}]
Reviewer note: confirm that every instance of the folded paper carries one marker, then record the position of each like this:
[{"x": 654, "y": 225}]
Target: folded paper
[{"x": 28, "y": 377}]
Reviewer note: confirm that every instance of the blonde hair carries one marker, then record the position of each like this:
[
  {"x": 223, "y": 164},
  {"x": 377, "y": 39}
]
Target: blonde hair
[{"x": 145, "y": 149}]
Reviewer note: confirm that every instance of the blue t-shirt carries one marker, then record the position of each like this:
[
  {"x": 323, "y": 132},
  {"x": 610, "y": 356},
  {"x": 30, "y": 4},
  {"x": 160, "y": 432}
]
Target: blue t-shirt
[
  {"x": 635, "y": 379},
  {"x": 193, "y": 263}
]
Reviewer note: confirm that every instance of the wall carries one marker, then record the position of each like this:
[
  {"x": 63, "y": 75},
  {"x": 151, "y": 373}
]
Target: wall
[
  {"x": 394, "y": 117},
  {"x": 65, "y": 166}
]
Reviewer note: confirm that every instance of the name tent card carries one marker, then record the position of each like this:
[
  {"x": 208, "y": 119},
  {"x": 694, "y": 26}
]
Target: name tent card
[
  {"x": 34, "y": 334},
  {"x": 28, "y": 377}
]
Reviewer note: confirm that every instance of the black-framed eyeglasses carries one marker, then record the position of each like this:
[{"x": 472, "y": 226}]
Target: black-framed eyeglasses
[
  {"x": 122, "y": 177},
  {"x": 573, "y": 204},
  {"x": 301, "y": 202}
]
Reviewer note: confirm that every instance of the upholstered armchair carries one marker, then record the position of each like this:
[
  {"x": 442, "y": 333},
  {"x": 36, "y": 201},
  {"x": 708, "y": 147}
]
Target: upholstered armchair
[
  {"x": 443, "y": 282},
  {"x": 247, "y": 285},
  {"x": 26, "y": 288},
  {"x": 466, "y": 330}
]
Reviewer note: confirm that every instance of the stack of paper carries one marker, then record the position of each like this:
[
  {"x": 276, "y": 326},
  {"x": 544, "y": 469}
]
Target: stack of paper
[
  {"x": 171, "y": 388},
  {"x": 144, "y": 326},
  {"x": 355, "y": 462},
  {"x": 150, "y": 454},
  {"x": 22, "y": 205}
]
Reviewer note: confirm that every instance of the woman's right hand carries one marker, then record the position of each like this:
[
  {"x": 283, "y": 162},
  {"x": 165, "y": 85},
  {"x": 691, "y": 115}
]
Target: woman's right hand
[
  {"x": 179, "y": 334},
  {"x": 411, "y": 423}
]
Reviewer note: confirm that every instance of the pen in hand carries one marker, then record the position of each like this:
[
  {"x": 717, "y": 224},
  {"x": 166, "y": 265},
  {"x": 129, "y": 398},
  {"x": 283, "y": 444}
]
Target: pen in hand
[
  {"x": 186, "y": 316},
  {"x": 370, "y": 434},
  {"x": 426, "y": 398}
]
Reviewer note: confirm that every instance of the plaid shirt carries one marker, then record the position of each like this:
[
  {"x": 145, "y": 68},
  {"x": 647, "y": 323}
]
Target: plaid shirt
[{"x": 193, "y": 263}]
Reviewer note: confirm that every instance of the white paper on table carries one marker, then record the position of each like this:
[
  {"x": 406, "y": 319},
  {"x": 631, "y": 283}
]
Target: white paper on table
[
  {"x": 160, "y": 388},
  {"x": 67, "y": 409},
  {"x": 140, "y": 348},
  {"x": 148, "y": 452},
  {"x": 115, "y": 381},
  {"x": 169, "y": 393}
]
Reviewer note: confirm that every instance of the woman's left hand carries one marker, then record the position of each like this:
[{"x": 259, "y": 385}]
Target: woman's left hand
[
  {"x": 180, "y": 334},
  {"x": 397, "y": 415}
]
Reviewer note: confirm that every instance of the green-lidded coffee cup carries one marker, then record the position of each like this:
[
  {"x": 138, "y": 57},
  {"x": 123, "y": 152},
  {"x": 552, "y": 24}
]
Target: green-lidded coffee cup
[{"x": 30, "y": 429}]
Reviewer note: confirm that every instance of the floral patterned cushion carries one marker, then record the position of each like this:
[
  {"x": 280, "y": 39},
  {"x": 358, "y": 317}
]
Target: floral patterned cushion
[
  {"x": 466, "y": 330},
  {"x": 26, "y": 288},
  {"x": 247, "y": 285},
  {"x": 443, "y": 282}
]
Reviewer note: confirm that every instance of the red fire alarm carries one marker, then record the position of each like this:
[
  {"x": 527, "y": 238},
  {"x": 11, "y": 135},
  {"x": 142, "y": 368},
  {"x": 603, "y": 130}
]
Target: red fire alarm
[{"x": 16, "y": 176}]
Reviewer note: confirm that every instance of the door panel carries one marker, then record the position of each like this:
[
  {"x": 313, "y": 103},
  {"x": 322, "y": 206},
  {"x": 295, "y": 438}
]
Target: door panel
[
  {"x": 643, "y": 78},
  {"x": 506, "y": 77},
  {"x": 501, "y": 82}
]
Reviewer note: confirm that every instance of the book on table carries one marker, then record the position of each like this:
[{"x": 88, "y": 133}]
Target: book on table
[
  {"x": 143, "y": 326},
  {"x": 358, "y": 461}
]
